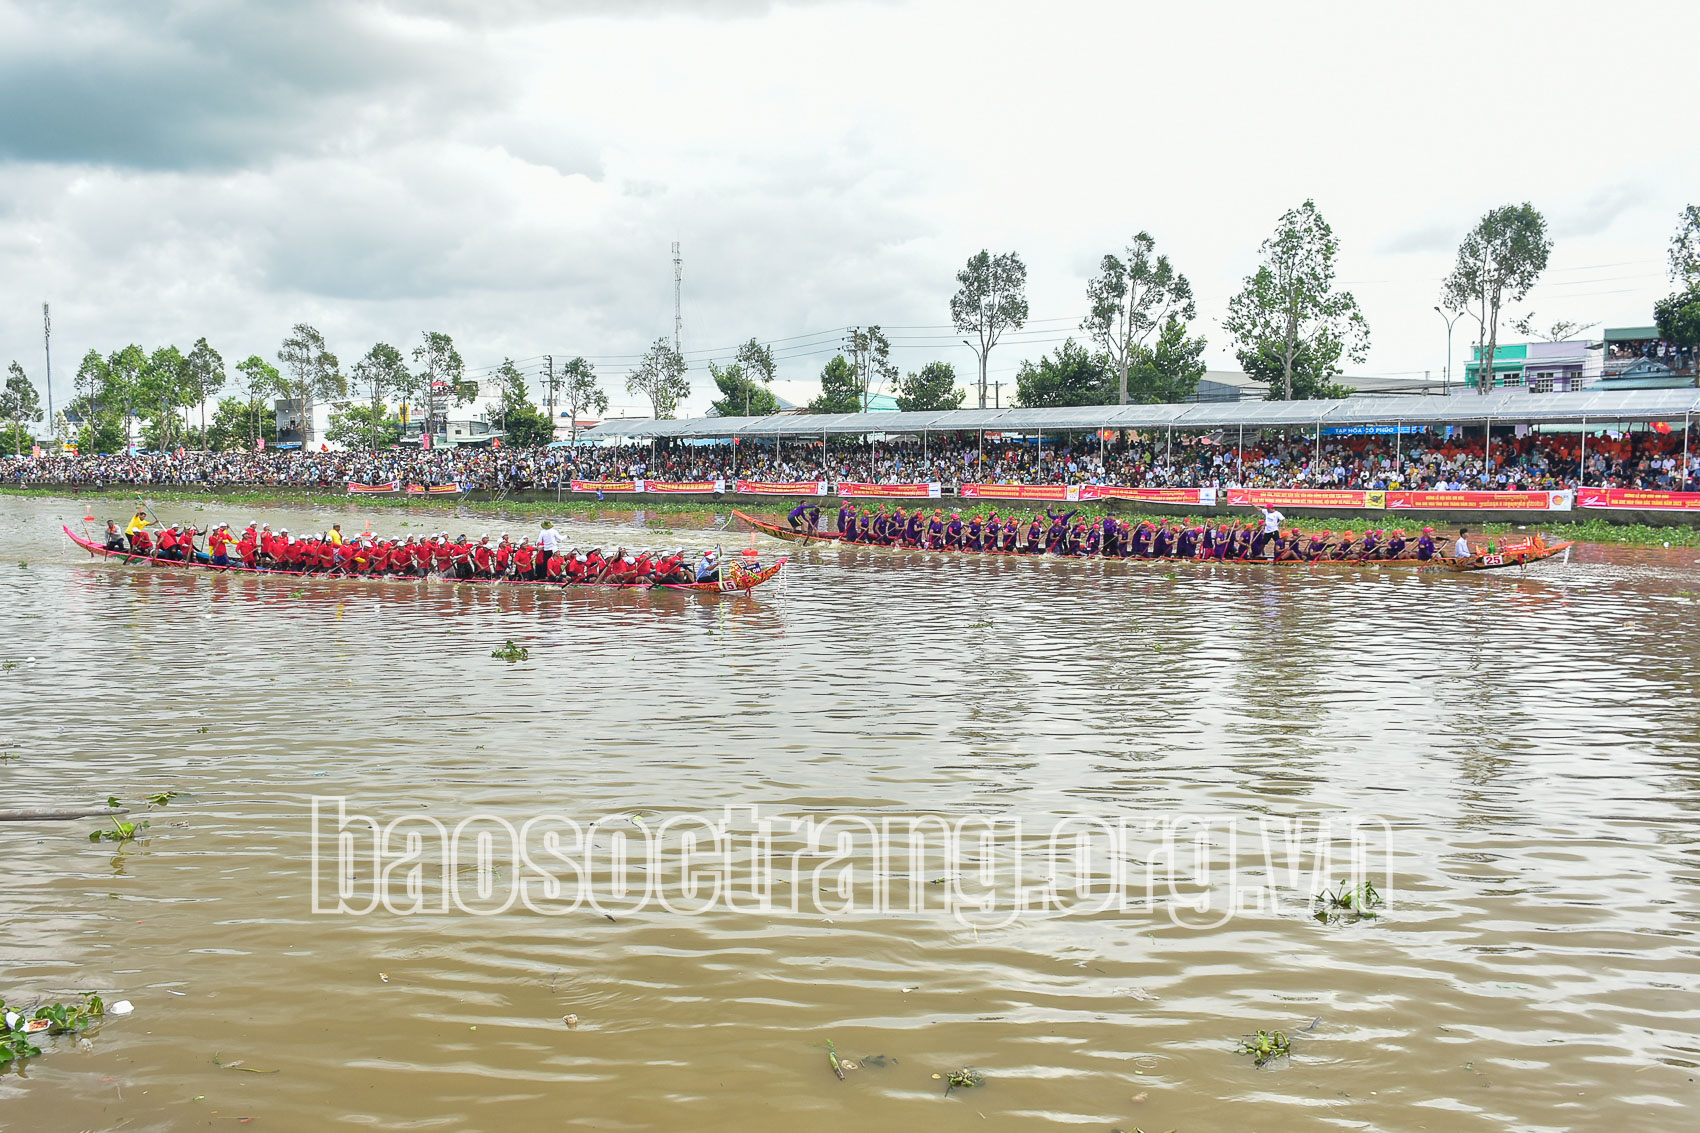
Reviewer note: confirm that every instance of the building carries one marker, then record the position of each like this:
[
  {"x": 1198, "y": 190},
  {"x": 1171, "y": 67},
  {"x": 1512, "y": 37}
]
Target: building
[{"x": 1622, "y": 358}]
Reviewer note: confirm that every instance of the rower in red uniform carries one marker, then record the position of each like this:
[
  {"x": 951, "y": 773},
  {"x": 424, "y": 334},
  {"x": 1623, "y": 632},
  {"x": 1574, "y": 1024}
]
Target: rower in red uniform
[
  {"x": 218, "y": 543},
  {"x": 503, "y": 556},
  {"x": 555, "y": 566},
  {"x": 483, "y": 559},
  {"x": 525, "y": 559},
  {"x": 576, "y": 563}
]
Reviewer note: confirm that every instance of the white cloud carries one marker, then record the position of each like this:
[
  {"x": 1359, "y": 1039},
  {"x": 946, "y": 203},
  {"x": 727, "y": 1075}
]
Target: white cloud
[{"x": 515, "y": 177}]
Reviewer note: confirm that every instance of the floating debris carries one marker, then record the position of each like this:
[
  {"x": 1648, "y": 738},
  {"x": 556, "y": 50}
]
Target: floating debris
[
  {"x": 511, "y": 653},
  {"x": 237, "y": 1065},
  {"x": 1266, "y": 1046},
  {"x": 964, "y": 1079},
  {"x": 833, "y": 1060},
  {"x": 1356, "y": 903},
  {"x": 571, "y": 1021}
]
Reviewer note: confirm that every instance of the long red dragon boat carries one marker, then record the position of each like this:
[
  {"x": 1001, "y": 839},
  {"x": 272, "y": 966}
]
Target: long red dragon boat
[
  {"x": 1517, "y": 553},
  {"x": 735, "y": 577}
]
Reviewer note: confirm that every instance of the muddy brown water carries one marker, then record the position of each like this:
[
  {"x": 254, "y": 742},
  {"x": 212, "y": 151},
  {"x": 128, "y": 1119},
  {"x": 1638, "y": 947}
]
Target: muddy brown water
[{"x": 1531, "y": 741}]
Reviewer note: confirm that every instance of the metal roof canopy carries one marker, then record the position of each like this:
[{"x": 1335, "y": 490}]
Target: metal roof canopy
[{"x": 1507, "y": 406}]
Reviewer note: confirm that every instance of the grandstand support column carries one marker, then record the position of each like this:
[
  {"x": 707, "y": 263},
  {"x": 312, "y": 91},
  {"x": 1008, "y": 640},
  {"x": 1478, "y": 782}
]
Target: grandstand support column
[
  {"x": 1040, "y": 445},
  {"x": 1684, "y": 485},
  {"x": 1487, "y": 453},
  {"x": 1319, "y": 442},
  {"x": 1582, "y": 464},
  {"x": 1169, "y": 448},
  {"x": 924, "y": 450},
  {"x": 1398, "y": 436},
  {"x": 979, "y": 465}
]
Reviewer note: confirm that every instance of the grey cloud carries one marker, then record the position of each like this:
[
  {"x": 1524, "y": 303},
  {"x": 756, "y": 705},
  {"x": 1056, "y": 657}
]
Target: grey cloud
[
  {"x": 174, "y": 86},
  {"x": 1600, "y": 210},
  {"x": 1435, "y": 236}
]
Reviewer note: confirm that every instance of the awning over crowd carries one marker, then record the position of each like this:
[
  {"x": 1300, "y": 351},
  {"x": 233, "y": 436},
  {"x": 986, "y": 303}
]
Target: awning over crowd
[{"x": 1503, "y": 407}]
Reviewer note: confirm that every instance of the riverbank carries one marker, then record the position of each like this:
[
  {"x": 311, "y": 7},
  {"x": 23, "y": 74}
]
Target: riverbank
[{"x": 1627, "y": 529}]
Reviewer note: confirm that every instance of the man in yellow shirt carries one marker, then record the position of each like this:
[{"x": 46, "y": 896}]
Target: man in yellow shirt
[
  {"x": 140, "y": 523},
  {"x": 336, "y": 534}
]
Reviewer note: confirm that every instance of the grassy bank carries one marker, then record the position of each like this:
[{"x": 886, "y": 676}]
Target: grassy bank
[{"x": 700, "y": 512}]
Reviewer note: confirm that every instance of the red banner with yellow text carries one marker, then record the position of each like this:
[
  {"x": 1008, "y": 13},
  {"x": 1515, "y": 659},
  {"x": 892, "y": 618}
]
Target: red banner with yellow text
[
  {"x": 1202, "y": 496},
  {"x": 890, "y": 491},
  {"x": 1305, "y": 497},
  {"x": 1479, "y": 501},
  {"x": 1020, "y": 491},
  {"x": 696, "y": 486},
  {"x": 605, "y": 485},
  {"x": 796, "y": 488},
  {"x": 373, "y": 489},
  {"x": 1643, "y": 498}
]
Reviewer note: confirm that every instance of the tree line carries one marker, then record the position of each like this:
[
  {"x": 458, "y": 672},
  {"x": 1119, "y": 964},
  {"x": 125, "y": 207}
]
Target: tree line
[{"x": 371, "y": 403}]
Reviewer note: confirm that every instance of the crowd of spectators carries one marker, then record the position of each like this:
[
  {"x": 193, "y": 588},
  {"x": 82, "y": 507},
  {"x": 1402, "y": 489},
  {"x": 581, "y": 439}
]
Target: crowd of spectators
[{"x": 1534, "y": 461}]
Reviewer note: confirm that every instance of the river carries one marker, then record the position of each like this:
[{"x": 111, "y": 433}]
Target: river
[{"x": 1521, "y": 753}]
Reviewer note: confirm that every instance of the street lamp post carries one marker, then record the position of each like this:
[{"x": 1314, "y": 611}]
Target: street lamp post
[{"x": 1446, "y": 382}]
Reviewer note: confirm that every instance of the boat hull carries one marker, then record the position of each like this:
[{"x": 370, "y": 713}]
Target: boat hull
[
  {"x": 1520, "y": 557},
  {"x": 742, "y": 581}
]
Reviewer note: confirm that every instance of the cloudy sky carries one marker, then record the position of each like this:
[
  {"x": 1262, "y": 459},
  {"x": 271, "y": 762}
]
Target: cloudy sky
[{"x": 514, "y": 171}]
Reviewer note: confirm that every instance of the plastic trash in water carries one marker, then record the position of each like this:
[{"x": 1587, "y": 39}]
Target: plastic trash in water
[{"x": 122, "y": 1007}]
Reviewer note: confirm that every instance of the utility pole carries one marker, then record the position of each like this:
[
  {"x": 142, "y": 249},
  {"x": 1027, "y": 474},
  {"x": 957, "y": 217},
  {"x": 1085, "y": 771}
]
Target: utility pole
[
  {"x": 997, "y": 395},
  {"x": 47, "y": 344},
  {"x": 550, "y": 360},
  {"x": 678, "y": 312}
]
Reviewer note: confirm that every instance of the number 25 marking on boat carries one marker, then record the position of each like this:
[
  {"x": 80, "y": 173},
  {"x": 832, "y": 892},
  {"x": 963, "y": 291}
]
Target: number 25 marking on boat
[{"x": 1493, "y": 560}]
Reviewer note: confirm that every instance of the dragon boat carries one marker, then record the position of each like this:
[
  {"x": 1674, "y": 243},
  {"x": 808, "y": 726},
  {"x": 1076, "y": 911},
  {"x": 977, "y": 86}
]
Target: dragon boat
[
  {"x": 735, "y": 577},
  {"x": 1514, "y": 553}
]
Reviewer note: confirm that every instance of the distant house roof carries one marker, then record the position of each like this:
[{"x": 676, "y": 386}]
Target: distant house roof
[{"x": 1630, "y": 334}]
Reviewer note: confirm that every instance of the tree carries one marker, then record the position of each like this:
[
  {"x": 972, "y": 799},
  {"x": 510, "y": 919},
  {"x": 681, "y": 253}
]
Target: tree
[
  {"x": 163, "y": 389},
  {"x": 661, "y": 378},
  {"x": 991, "y": 300},
  {"x": 1289, "y": 309},
  {"x": 580, "y": 392},
  {"x": 1678, "y": 314},
  {"x": 1685, "y": 248},
  {"x": 122, "y": 385},
  {"x": 1498, "y": 262},
  {"x": 235, "y": 425},
  {"x": 311, "y": 372},
  {"x": 869, "y": 355},
  {"x": 441, "y": 378},
  {"x": 1075, "y": 376},
  {"x": 933, "y": 387},
  {"x": 1129, "y": 299},
  {"x": 1310, "y": 373},
  {"x": 839, "y": 392},
  {"x": 357, "y": 424},
  {"x": 741, "y": 395},
  {"x": 98, "y": 405},
  {"x": 381, "y": 375},
  {"x": 260, "y": 380},
  {"x": 525, "y": 425},
  {"x": 743, "y": 384},
  {"x": 19, "y": 402},
  {"x": 205, "y": 377},
  {"x": 1167, "y": 370}
]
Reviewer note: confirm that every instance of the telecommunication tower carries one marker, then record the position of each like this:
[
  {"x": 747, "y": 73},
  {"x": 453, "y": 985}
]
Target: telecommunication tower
[{"x": 678, "y": 312}]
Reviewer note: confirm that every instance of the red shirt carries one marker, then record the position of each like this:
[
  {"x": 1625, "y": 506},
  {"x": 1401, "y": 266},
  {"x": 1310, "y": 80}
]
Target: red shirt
[
  {"x": 167, "y": 540},
  {"x": 557, "y": 565},
  {"x": 216, "y": 543},
  {"x": 481, "y": 556},
  {"x": 523, "y": 558}
]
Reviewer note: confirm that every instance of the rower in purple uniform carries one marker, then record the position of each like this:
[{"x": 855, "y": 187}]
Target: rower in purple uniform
[
  {"x": 805, "y": 517},
  {"x": 1011, "y": 535},
  {"x": 846, "y": 515},
  {"x": 953, "y": 532},
  {"x": 1425, "y": 545},
  {"x": 972, "y": 541}
]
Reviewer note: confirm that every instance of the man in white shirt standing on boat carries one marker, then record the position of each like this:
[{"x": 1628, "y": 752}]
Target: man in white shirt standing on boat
[
  {"x": 1271, "y": 528},
  {"x": 547, "y": 540}
]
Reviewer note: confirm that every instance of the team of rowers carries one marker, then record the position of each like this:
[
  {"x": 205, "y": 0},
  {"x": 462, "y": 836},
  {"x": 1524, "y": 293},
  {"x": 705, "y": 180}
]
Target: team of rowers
[
  {"x": 257, "y": 547},
  {"x": 1108, "y": 537}
]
